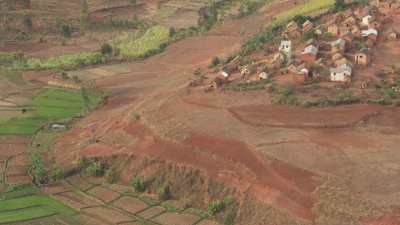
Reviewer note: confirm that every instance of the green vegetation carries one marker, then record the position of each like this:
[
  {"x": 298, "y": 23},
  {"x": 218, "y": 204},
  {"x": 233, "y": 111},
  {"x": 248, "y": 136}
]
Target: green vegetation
[
  {"x": 21, "y": 203},
  {"x": 51, "y": 104},
  {"x": 214, "y": 62},
  {"x": 248, "y": 7},
  {"x": 27, "y": 21},
  {"x": 151, "y": 42},
  {"x": 37, "y": 169},
  {"x": 163, "y": 193},
  {"x": 208, "y": 15},
  {"x": 65, "y": 30},
  {"x": 342, "y": 98},
  {"x": 84, "y": 15},
  {"x": 69, "y": 61},
  {"x": 248, "y": 86},
  {"x": 284, "y": 96},
  {"x": 217, "y": 206},
  {"x": 339, "y": 5},
  {"x": 96, "y": 169},
  {"x": 106, "y": 49},
  {"x": 138, "y": 183},
  {"x": 110, "y": 175}
]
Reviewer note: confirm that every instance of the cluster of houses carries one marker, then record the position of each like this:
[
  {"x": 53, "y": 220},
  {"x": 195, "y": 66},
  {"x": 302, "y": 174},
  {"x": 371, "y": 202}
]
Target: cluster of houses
[{"x": 340, "y": 42}]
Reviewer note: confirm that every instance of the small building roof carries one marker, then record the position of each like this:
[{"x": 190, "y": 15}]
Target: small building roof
[
  {"x": 338, "y": 42},
  {"x": 311, "y": 49},
  {"x": 364, "y": 51},
  {"x": 342, "y": 69},
  {"x": 370, "y": 31}
]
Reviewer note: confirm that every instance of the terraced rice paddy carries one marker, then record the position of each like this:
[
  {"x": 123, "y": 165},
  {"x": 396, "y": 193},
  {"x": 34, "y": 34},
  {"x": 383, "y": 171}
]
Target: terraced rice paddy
[
  {"x": 50, "y": 104},
  {"x": 27, "y": 203}
]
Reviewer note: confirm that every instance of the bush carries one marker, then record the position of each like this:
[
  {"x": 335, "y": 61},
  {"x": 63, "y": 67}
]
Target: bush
[
  {"x": 65, "y": 30},
  {"x": 301, "y": 19},
  {"x": 37, "y": 168},
  {"x": 27, "y": 21},
  {"x": 95, "y": 169},
  {"x": 110, "y": 176},
  {"x": 208, "y": 16},
  {"x": 284, "y": 96},
  {"x": 138, "y": 183},
  {"x": 84, "y": 14},
  {"x": 229, "y": 219},
  {"x": 215, "y": 62},
  {"x": 215, "y": 206},
  {"x": 106, "y": 49},
  {"x": 163, "y": 193},
  {"x": 57, "y": 174}
]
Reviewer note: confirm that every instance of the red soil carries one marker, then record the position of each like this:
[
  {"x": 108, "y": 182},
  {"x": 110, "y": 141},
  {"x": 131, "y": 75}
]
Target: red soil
[
  {"x": 276, "y": 116},
  {"x": 229, "y": 161}
]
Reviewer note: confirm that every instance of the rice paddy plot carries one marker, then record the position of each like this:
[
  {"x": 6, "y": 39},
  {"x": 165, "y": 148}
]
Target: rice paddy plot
[
  {"x": 27, "y": 203},
  {"x": 49, "y": 105}
]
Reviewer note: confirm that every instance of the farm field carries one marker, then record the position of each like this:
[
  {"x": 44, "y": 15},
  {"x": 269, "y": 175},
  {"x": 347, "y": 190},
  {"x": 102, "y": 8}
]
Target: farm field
[{"x": 50, "y": 104}]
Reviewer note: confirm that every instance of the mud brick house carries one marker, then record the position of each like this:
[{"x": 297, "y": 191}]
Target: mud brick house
[
  {"x": 341, "y": 73},
  {"x": 333, "y": 29},
  {"x": 286, "y": 48},
  {"x": 338, "y": 46},
  {"x": 366, "y": 20},
  {"x": 292, "y": 30},
  {"x": 392, "y": 34},
  {"x": 371, "y": 34},
  {"x": 307, "y": 26},
  {"x": 309, "y": 54},
  {"x": 363, "y": 57}
]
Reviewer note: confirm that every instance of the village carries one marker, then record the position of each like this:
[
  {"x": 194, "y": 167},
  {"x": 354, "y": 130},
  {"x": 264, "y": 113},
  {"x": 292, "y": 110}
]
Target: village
[{"x": 337, "y": 48}]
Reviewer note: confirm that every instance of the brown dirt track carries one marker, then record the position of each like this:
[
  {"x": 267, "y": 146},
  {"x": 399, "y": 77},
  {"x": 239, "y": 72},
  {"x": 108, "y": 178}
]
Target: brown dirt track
[{"x": 273, "y": 152}]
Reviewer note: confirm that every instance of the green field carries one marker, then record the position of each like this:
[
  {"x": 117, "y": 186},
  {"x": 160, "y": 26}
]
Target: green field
[
  {"x": 49, "y": 105},
  {"x": 151, "y": 41},
  {"x": 28, "y": 203},
  {"x": 305, "y": 8}
]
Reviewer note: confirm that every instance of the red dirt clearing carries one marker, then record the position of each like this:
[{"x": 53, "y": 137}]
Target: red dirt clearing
[
  {"x": 277, "y": 116},
  {"x": 229, "y": 161}
]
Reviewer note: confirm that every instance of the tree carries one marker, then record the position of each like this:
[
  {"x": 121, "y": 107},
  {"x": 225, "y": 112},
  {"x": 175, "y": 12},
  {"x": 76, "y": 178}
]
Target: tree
[
  {"x": 106, "y": 49},
  {"x": 84, "y": 15},
  {"x": 339, "y": 5},
  {"x": 27, "y": 21}
]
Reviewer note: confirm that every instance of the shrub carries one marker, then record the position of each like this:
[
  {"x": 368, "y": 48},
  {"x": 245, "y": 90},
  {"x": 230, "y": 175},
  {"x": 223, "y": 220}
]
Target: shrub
[
  {"x": 138, "y": 183},
  {"x": 95, "y": 169},
  {"x": 163, "y": 193},
  {"x": 208, "y": 16},
  {"x": 215, "y": 62},
  {"x": 106, "y": 49},
  {"x": 229, "y": 219},
  {"x": 37, "y": 168},
  {"x": 57, "y": 174},
  {"x": 84, "y": 15},
  {"x": 65, "y": 30},
  {"x": 215, "y": 206},
  {"x": 284, "y": 96},
  {"x": 110, "y": 175},
  {"x": 27, "y": 21},
  {"x": 301, "y": 19}
]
